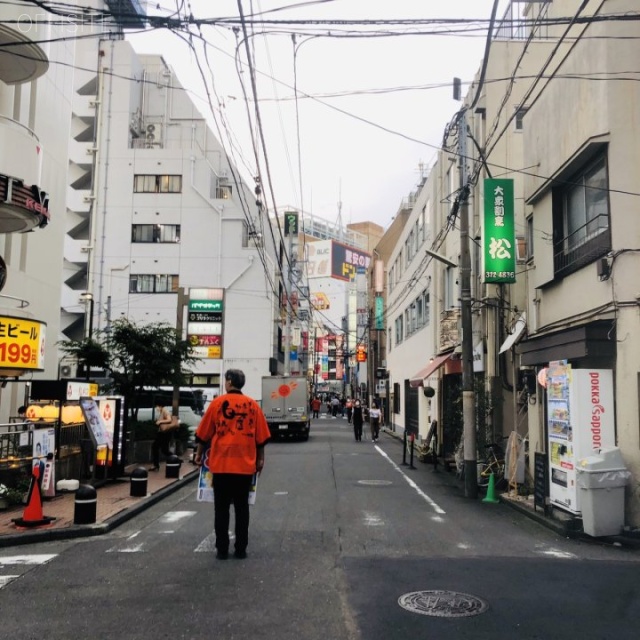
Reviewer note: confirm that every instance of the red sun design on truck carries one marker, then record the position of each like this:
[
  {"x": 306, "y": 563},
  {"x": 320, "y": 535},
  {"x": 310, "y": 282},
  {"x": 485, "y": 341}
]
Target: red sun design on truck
[{"x": 284, "y": 390}]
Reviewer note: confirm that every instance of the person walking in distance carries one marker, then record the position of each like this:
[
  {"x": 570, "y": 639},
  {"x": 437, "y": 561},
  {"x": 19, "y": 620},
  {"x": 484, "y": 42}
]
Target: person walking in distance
[
  {"x": 358, "y": 420},
  {"x": 162, "y": 441},
  {"x": 315, "y": 407},
  {"x": 235, "y": 431},
  {"x": 374, "y": 421}
]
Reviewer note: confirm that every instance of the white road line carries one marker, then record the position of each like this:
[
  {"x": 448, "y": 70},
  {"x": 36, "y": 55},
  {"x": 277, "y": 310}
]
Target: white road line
[
  {"x": 556, "y": 553},
  {"x": 411, "y": 483},
  {"x": 174, "y": 516},
  {"x": 372, "y": 519},
  {"x": 31, "y": 559},
  {"x": 136, "y": 548},
  {"x": 5, "y": 580},
  {"x": 208, "y": 545}
]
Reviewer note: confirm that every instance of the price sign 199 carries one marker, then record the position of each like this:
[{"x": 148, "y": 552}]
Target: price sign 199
[{"x": 14, "y": 353}]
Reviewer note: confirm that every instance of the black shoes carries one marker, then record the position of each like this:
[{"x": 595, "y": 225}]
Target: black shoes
[
  {"x": 240, "y": 555},
  {"x": 222, "y": 555},
  {"x": 154, "y": 468}
]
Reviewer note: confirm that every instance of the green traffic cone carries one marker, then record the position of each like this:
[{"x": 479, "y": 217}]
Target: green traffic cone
[{"x": 491, "y": 491}]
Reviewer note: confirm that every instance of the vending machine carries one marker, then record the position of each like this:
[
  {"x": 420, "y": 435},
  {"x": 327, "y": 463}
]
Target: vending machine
[{"x": 580, "y": 419}]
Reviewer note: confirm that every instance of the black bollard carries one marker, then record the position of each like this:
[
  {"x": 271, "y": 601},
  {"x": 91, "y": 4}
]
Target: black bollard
[
  {"x": 172, "y": 466},
  {"x": 86, "y": 504},
  {"x": 404, "y": 449},
  {"x": 138, "y": 487},
  {"x": 412, "y": 440}
]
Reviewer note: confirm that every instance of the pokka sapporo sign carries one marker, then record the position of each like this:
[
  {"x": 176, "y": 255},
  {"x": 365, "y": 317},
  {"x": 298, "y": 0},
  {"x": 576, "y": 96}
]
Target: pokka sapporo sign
[
  {"x": 205, "y": 322},
  {"x": 499, "y": 242}
]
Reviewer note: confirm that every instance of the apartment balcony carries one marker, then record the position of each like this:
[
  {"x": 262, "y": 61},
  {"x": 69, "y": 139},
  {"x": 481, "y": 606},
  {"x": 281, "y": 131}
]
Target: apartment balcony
[
  {"x": 84, "y": 106},
  {"x": 24, "y": 204},
  {"x": 21, "y": 59},
  {"x": 79, "y": 200},
  {"x": 76, "y": 251}
]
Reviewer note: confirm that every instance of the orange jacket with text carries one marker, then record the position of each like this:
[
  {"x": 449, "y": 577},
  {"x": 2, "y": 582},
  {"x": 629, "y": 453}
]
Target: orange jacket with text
[{"x": 235, "y": 427}]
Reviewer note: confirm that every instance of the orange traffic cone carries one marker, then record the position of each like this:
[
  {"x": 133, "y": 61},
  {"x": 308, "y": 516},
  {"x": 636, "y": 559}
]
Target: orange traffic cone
[
  {"x": 491, "y": 491},
  {"x": 32, "y": 515}
]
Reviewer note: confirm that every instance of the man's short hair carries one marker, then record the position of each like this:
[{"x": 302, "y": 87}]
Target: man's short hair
[{"x": 235, "y": 377}]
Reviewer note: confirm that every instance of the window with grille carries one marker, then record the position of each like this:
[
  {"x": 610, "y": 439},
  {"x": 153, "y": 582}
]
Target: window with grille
[
  {"x": 148, "y": 183},
  {"x": 153, "y": 283},
  {"x": 581, "y": 217},
  {"x": 169, "y": 233}
]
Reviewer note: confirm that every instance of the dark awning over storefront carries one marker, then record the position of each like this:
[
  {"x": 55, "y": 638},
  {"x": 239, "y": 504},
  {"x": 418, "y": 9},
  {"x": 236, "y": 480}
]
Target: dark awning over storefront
[
  {"x": 417, "y": 380},
  {"x": 594, "y": 340}
]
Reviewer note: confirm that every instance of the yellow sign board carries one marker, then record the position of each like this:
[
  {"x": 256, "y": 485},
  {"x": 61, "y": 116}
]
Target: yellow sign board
[{"x": 22, "y": 343}]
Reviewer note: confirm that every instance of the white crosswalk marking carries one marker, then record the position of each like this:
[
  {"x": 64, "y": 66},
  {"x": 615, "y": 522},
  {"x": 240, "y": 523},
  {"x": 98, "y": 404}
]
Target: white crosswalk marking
[
  {"x": 5, "y": 580},
  {"x": 35, "y": 558},
  {"x": 208, "y": 545},
  {"x": 174, "y": 516},
  {"x": 22, "y": 561}
]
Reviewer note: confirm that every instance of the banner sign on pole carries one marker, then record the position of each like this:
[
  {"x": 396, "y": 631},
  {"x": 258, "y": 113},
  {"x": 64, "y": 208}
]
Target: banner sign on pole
[{"x": 499, "y": 242}]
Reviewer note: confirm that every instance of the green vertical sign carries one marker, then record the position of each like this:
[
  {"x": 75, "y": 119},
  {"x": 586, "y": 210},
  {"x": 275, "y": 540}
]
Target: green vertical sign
[
  {"x": 499, "y": 240},
  {"x": 290, "y": 223},
  {"x": 379, "y": 317}
]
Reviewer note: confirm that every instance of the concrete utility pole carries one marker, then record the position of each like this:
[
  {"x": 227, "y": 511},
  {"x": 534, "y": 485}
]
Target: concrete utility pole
[
  {"x": 181, "y": 303},
  {"x": 468, "y": 396},
  {"x": 288, "y": 311}
]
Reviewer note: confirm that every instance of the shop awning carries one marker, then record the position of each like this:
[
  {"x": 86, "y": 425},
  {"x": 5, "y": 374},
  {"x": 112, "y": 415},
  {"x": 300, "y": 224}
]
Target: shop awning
[
  {"x": 418, "y": 379},
  {"x": 514, "y": 336}
]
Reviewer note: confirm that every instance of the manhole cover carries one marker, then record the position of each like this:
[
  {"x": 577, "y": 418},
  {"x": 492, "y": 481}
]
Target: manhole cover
[
  {"x": 442, "y": 604},
  {"x": 378, "y": 483}
]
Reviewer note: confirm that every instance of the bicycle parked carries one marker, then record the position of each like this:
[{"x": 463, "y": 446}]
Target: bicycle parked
[{"x": 493, "y": 464}]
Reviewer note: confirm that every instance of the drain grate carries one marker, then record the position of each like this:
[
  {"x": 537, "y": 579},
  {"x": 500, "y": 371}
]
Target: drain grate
[{"x": 443, "y": 604}]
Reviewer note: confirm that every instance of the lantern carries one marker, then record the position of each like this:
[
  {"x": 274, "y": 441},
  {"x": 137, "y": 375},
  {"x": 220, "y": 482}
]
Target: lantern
[
  {"x": 72, "y": 414},
  {"x": 50, "y": 412},
  {"x": 34, "y": 412}
]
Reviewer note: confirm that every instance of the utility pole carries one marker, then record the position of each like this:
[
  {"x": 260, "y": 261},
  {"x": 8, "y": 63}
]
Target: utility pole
[
  {"x": 291, "y": 229},
  {"x": 182, "y": 301},
  {"x": 468, "y": 396}
]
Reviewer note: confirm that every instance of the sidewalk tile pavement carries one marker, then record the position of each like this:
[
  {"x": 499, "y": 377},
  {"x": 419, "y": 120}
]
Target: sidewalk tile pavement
[{"x": 114, "y": 505}]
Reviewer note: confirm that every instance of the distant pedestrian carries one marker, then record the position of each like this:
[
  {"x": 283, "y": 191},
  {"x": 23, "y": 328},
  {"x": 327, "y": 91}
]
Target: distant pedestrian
[
  {"x": 375, "y": 415},
  {"x": 335, "y": 406},
  {"x": 315, "y": 407},
  {"x": 358, "y": 420},
  {"x": 237, "y": 431},
  {"x": 349, "y": 407},
  {"x": 162, "y": 441}
]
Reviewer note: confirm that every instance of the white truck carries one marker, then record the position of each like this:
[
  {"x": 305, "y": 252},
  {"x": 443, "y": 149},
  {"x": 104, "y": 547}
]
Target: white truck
[{"x": 285, "y": 403}]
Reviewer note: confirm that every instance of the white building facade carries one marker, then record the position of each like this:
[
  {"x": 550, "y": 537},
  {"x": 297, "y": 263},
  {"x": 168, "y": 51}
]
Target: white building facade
[{"x": 167, "y": 212}]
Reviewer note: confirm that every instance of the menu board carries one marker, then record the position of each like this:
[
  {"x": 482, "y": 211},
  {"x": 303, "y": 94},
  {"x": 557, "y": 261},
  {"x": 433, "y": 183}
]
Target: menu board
[
  {"x": 94, "y": 421},
  {"x": 540, "y": 480}
]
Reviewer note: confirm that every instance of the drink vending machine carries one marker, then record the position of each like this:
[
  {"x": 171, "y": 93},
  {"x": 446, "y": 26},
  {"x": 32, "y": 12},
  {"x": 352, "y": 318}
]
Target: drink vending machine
[{"x": 580, "y": 420}]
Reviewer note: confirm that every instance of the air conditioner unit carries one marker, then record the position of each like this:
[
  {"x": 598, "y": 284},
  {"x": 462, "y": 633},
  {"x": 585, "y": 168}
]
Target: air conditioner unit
[
  {"x": 66, "y": 371},
  {"x": 151, "y": 128}
]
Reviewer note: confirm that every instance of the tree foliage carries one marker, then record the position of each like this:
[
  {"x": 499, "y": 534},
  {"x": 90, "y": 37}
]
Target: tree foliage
[{"x": 137, "y": 356}]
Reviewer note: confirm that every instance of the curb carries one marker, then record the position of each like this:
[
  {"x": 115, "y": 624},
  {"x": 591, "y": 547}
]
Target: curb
[{"x": 85, "y": 531}]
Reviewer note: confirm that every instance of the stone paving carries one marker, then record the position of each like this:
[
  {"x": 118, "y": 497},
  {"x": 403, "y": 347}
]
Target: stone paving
[{"x": 113, "y": 499}]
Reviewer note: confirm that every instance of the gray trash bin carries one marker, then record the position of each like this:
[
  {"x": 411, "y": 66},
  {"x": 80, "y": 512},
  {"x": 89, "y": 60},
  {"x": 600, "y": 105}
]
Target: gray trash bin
[{"x": 601, "y": 479}]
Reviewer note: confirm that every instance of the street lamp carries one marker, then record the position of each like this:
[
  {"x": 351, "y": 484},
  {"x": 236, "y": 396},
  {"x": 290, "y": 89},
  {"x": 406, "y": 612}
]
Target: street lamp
[{"x": 88, "y": 298}]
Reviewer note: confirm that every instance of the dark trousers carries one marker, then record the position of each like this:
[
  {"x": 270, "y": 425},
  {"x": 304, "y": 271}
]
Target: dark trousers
[
  {"x": 357, "y": 430},
  {"x": 161, "y": 443},
  {"x": 228, "y": 489}
]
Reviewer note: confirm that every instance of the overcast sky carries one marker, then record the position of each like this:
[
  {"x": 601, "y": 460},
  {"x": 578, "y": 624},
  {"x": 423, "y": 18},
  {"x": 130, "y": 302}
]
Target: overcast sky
[{"x": 377, "y": 107}]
